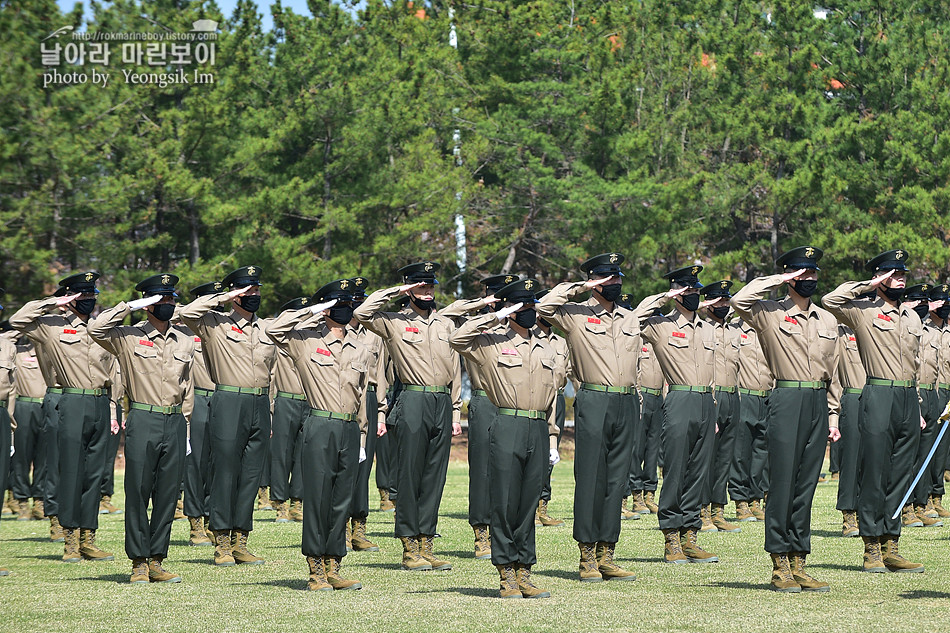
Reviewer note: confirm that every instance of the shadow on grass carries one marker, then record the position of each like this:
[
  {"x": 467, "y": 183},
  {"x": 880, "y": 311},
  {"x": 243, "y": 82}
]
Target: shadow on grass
[
  {"x": 477, "y": 592},
  {"x": 298, "y": 584},
  {"x": 462, "y": 516},
  {"x": 34, "y": 539},
  {"x": 58, "y": 557},
  {"x": 838, "y": 566},
  {"x": 395, "y": 566},
  {"x": 457, "y": 554},
  {"x": 737, "y": 585},
  {"x": 832, "y": 534},
  {"x": 119, "y": 579},
  {"x": 556, "y": 573},
  {"x": 919, "y": 594}
]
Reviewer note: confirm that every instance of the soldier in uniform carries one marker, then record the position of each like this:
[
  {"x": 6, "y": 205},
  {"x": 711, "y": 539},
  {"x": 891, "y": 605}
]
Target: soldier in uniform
[
  {"x": 385, "y": 444},
  {"x": 197, "y": 479},
  {"x": 518, "y": 370},
  {"x": 116, "y": 424},
  {"x": 939, "y": 313},
  {"x": 29, "y": 389},
  {"x": 7, "y": 426},
  {"x": 156, "y": 359},
  {"x": 727, "y": 405},
  {"x": 685, "y": 349},
  {"x": 427, "y": 410},
  {"x": 888, "y": 336},
  {"x": 85, "y": 370},
  {"x": 851, "y": 375},
  {"x": 800, "y": 344},
  {"x": 334, "y": 368},
  {"x": 604, "y": 339},
  {"x": 240, "y": 358},
  {"x": 565, "y": 372}
]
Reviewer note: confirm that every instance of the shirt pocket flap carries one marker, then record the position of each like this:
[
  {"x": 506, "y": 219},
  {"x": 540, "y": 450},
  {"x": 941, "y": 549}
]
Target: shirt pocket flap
[
  {"x": 550, "y": 363},
  {"x": 679, "y": 341},
  {"x": 321, "y": 359},
  {"x": 69, "y": 339},
  {"x": 595, "y": 328},
  {"x": 883, "y": 324},
  {"x": 184, "y": 357},
  {"x": 144, "y": 351},
  {"x": 237, "y": 337},
  {"x": 789, "y": 328},
  {"x": 709, "y": 344},
  {"x": 510, "y": 361},
  {"x": 412, "y": 338},
  {"x": 828, "y": 334}
]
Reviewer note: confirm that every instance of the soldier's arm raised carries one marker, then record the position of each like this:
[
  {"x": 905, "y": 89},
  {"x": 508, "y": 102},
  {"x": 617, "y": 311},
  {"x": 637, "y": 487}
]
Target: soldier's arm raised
[
  {"x": 104, "y": 329},
  {"x": 369, "y": 315},
  {"x": 840, "y": 302},
  {"x": 744, "y": 302},
  {"x": 560, "y": 294}
]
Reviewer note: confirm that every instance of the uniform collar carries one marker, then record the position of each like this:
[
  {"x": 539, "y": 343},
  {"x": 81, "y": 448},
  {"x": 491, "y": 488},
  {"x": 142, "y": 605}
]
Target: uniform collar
[
  {"x": 73, "y": 319},
  {"x": 791, "y": 309},
  {"x": 681, "y": 321},
  {"x": 151, "y": 333},
  {"x": 599, "y": 309},
  {"x": 330, "y": 339},
  {"x": 240, "y": 321}
]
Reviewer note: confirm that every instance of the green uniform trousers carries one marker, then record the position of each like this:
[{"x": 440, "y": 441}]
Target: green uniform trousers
[
  {"x": 481, "y": 415},
  {"x": 943, "y": 450},
  {"x": 28, "y": 462},
  {"x": 286, "y": 478},
  {"x": 724, "y": 447},
  {"x": 689, "y": 423},
  {"x": 849, "y": 449},
  {"x": 646, "y": 449},
  {"x": 386, "y": 449},
  {"x": 360, "y": 505},
  {"x": 423, "y": 440},
  {"x": 834, "y": 455},
  {"x": 240, "y": 434},
  {"x": 750, "y": 468},
  {"x": 928, "y": 409},
  {"x": 197, "y": 477},
  {"x": 155, "y": 445},
  {"x": 112, "y": 450},
  {"x": 605, "y": 427},
  {"x": 4, "y": 449},
  {"x": 518, "y": 458},
  {"x": 330, "y": 459},
  {"x": 82, "y": 440},
  {"x": 797, "y": 436},
  {"x": 890, "y": 432},
  {"x": 50, "y": 450},
  {"x": 560, "y": 413}
]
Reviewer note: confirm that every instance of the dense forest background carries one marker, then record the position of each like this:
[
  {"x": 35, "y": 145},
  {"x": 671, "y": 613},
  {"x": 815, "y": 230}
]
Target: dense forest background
[{"x": 717, "y": 132}]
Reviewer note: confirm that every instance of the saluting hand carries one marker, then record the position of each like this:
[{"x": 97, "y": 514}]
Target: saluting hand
[
  {"x": 320, "y": 307},
  {"x": 237, "y": 292},
  {"x": 61, "y": 301},
  {"x": 502, "y": 314},
  {"x": 404, "y": 290},
  {"x": 593, "y": 283},
  {"x": 676, "y": 292},
  {"x": 876, "y": 281},
  {"x": 708, "y": 302},
  {"x": 490, "y": 300},
  {"x": 138, "y": 304},
  {"x": 795, "y": 274}
]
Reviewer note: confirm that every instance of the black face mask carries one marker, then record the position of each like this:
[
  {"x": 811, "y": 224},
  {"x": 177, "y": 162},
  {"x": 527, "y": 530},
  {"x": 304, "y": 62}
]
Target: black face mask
[
  {"x": 690, "y": 302},
  {"x": 922, "y": 310},
  {"x": 526, "y": 318},
  {"x": 341, "y": 314},
  {"x": 85, "y": 306},
  {"x": 163, "y": 311},
  {"x": 894, "y": 294},
  {"x": 544, "y": 322},
  {"x": 611, "y": 293},
  {"x": 423, "y": 304},
  {"x": 720, "y": 312},
  {"x": 251, "y": 303},
  {"x": 943, "y": 312},
  {"x": 806, "y": 287}
]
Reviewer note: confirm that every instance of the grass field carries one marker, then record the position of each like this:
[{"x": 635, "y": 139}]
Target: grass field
[{"x": 44, "y": 594}]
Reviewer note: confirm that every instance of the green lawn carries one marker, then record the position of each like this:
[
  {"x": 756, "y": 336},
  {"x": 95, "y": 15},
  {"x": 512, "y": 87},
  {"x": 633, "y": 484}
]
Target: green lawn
[{"x": 44, "y": 594}]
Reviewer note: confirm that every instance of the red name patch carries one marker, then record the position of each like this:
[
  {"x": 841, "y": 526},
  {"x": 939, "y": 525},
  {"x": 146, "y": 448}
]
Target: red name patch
[
  {"x": 197, "y": 339},
  {"x": 679, "y": 334},
  {"x": 325, "y": 352},
  {"x": 509, "y": 352},
  {"x": 791, "y": 320},
  {"x": 884, "y": 316},
  {"x": 69, "y": 332},
  {"x": 235, "y": 328},
  {"x": 412, "y": 329},
  {"x": 646, "y": 349},
  {"x": 142, "y": 341},
  {"x": 593, "y": 320},
  {"x": 745, "y": 336},
  {"x": 850, "y": 338}
]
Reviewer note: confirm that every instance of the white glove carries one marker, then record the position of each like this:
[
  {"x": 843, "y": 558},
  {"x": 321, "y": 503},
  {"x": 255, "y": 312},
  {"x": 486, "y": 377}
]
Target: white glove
[
  {"x": 946, "y": 414},
  {"x": 138, "y": 304},
  {"x": 555, "y": 458},
  {"x": 502, "y": 314},
  {"x": 187, "y": 446},
  {"x": 320, "y": 307},
  {"x": 362, "y": 454}
]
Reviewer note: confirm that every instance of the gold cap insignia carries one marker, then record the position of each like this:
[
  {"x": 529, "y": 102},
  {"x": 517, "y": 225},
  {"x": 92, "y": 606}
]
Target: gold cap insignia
[
  {"x": 613, "y": 258},
  {"x": 809, "y": 252},
  {"x": 166, "y": 280},
  {"x": 509, "y": 279},
  {"x": 528, "y": 285},
  {"x": 428, "y": 266},
  {"x": 217, "y": 285},
  {"x": 899, "y": 255},
  {"x": 344, "y": 284},
  {"x": 724, "y": 285},
  {"x": 695, "y": 270},
  {"x": 251, "y": 270},
  {"x": 924, "y": 288},
  {"x": 945, "y": 288},
  {"x": 89, "y": 276},
  {"x": 304, "y": 301},
  {"x": 359, "y": 281}
]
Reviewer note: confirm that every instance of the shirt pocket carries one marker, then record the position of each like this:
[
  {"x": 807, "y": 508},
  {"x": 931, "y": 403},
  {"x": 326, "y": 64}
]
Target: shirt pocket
[
  {"x": 884, "y": 325},
  {"x": 596, "y": 334},
  {"x": 146, "y": 352},
  {"x": 324, "y": 360},
  {"x": 827, "y": 339},
  {"x": 680, "y": 342},
  {"x": 70, "y": 339},
  {"x": 631, "y": 337},
  {"x": 183, "y": 357}
]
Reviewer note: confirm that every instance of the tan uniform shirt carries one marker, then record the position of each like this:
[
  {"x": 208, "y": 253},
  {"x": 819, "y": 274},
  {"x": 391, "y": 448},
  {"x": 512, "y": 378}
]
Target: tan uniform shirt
[
  {"x": 604, "y": 345},
  {"x": 650, "y": 374},
  {"x": 77, "y": 361},
  {"x": 798, "y": 345},
  {"x": 727, "y": 353},
  {"x": 754, "y": 371},
  {"x": 199, "y": 369},
  {"x": 685, "y": 348},
  {"x": 460, "y": 311},
  {"x": 943, "y": 368},
  {"x": 237, "y": 351},
  {"x": 29, "y": 377},
  {"x": 7, "y": 368},
  {"x": 929, "y": 354},
  {"x": 333, "y": 372},
  {"x": 851, "y": 372},
  {"x": 563, "y": 356},
  {"x": 418, "y": 346},
  {"x": 517, "y": 372},
  {"x": 156, "y": 367}
]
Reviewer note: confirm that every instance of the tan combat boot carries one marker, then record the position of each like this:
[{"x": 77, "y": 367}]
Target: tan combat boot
[
  {"x": 509, "y": 582},
  {"x": 222, "y": 548},
  {"x": 705, "y": 514},
  {"x": 543, "y": 516},
  {"x": 782, "y": 579},
  {"x": 296, "y": 510},
  {"x": 672, "y": 548},
  {"x": 803, "y": 578},
  {"x": 106, "y": 507},
  {"x": 926, "y": 519},
  {"x": 527, "y": 588},
  {"x": 626, "y": 513},
  {"x": 719, "y": 519},
  {"x": 9, "y": 506},
  {"x": 909, "y": 518},
  {"x": 606, "y": 565},
  {"x": 23, "y": 511},
  {"x": 239, "y": 550},
  {"x": 139, "y": 571},
  {"x": 427, "y": 554},
  {"x": 197, "y": 535},
  {"x": 893, "y": 561},
  {"x": 318, "y": 575},
  {"x": 359, "y": 541},
  {"x": 332, "y": 564},
  {"x": 482, "y": 542},
  {"x": 88, "y": 548},
  {"x": 39, "y": 512},
  {"x": 179, "y": 511},
  {"x": 756, "y": 508},
  {"x": 283, "y": 512},
  {"x": 946, "y": 475},
  {"x": 744, "y": 512},
  {"x": 694, "y": 553},
  {"x": 942, "y": 512},
  {"x": 588, "y": 564},
  {"x": 873, "y": 561},
  {"x": 385, "y": 503},
  {"x": 56, "y": 533},
  {"x": 849, "y": 523},
  {"x": 348, "y": 537},
  {"x": 71, "y": 546},
  {"x": 649, "y": 500},
  {"x": 930, "y": 510},
  {"x": 263, "y": 500},
  {"x": 156, "y": 573},
  {"x": 411, "y": 560},
  {"x": 638, "y": 505}
]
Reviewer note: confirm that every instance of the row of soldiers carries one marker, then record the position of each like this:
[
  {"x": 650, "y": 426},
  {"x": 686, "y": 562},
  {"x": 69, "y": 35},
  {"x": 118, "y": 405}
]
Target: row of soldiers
[{"x": 774, "y": 373}]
